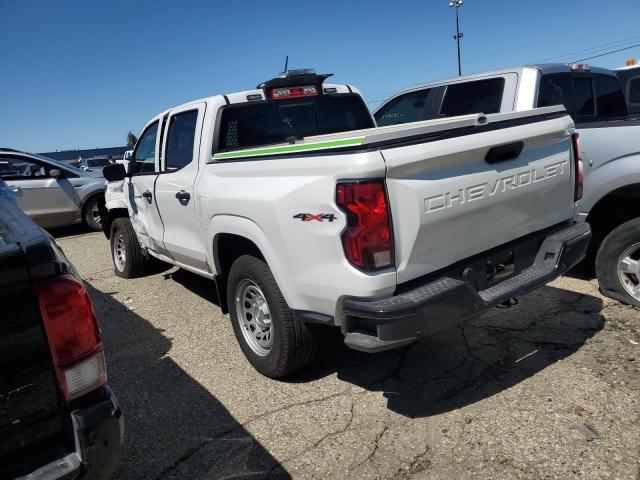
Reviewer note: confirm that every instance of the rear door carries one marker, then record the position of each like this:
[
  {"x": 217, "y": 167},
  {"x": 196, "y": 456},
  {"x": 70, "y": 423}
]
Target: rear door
[
  {"x": 457, "y": 197},
  {"x": 49, "y": 201},
  {"x": 174, "y": 191}
]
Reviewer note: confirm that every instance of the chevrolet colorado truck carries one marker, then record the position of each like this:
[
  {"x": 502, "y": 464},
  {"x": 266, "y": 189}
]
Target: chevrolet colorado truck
[
  {"x": 58, "y": 417},
  {"x": 609, "y": 140},
  {"x": 304, "y": 213}
]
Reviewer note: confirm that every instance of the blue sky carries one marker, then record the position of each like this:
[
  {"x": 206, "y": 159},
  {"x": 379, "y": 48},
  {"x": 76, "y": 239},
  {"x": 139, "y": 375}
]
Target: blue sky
[{"x": 81, "y": 74}]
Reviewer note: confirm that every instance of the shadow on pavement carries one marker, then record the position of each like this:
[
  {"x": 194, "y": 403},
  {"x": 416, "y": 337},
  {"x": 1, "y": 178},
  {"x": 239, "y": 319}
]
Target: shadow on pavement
[
  {"x": 461, "y": 365},
  {"x": 467, "y": 363},
  {"x": 174, "y": 428},
  {"x": 70, "y": 230}
]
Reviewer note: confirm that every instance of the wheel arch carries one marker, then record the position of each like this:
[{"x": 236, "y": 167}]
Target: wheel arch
[
  {"x": 229, "y": 238},
  {"x": 108, "y": 216},
  {"x": 611, "y": 210}
]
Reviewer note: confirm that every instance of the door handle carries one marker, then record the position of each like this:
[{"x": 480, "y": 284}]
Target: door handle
[
  {"x": 503, "y": 153},
  {"x": 148, "y": 196},
  {"x": 16, "y": 189},
  {"x": 183, "y": 197}
]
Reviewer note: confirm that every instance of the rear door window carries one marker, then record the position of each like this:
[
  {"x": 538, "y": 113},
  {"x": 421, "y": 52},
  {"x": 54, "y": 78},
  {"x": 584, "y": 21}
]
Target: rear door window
[
  {"x": 182, "y": 131},
  {"x": 410, "y": 107},
  {"x": 610, "y": 101},
  {"x": 480, "y": 96},
  {"x": 634, "y": 90},
  {"x": 247, "y": 125}
]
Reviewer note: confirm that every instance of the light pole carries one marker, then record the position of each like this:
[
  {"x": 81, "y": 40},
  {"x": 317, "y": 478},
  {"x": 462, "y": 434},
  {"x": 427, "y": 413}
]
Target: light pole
[{"x": 457, "y": 4}]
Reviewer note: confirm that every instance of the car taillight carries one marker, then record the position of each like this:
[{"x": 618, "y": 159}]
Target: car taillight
[
  {"x": 368, "y": 238},
  {"x": 74, "y": 335},
  {"x": 579, "y": 167},
  {"x": 291, "y": 92}
]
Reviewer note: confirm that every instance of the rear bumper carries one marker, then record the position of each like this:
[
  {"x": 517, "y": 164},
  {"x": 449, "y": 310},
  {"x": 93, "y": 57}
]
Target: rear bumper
[
  {"x": 445, "y": 301},
  {"x": 98, "y": 430}
]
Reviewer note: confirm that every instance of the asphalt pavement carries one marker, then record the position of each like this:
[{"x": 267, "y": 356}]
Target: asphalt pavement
[{"x": 549, "y": 388}]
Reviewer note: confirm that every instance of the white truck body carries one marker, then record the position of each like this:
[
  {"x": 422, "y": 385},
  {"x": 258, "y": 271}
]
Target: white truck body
[{"x": 448, "y": 199}]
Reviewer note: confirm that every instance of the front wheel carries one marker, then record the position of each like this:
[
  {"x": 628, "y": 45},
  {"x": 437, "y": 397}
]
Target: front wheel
[
  {"x": 128, "y": 259},
  {"x": 618, "y": 263},
  {"x": 273, "y": 340}
]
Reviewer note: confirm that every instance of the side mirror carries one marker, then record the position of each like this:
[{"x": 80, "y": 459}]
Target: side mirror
[
  {"x": 114, "y": 173},
  {"x": 56, "y": 173}
]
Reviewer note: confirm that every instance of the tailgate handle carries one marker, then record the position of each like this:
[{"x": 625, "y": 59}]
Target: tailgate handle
[{"x": 503, "y": 153}]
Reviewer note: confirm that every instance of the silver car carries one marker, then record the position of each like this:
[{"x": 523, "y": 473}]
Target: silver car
[{"x": 51, "y": 192}]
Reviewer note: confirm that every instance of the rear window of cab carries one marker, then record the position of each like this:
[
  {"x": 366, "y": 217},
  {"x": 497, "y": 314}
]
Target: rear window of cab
[{"x": 255, "y": 124}]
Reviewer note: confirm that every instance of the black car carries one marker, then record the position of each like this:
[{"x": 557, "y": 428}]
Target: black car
[{"x": 58, "y": 416}]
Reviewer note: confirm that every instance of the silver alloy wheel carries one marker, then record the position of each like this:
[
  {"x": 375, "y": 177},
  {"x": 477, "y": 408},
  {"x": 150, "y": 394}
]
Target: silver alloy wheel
[
  {"x": 119, "y": 253},
  {"x": 254, "y": 317},
  {"x": 629, "y": 270}
]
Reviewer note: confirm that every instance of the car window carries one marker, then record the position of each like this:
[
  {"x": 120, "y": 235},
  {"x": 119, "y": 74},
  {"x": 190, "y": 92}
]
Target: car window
[
  {"x": 556, "y": 90},
  {"x": 610, "y": 101},
  {"x": 20, "y": 169},
  {"x": 247, "y": 125},
  {"x": 583, "y": 92},
  {"x": 481, "y": 96},
  {"x": 634, "y": 90},
  {"x": 180, "y": 140},
  {"x": 144, "y": 154},
  {"x": 410, "y": 107}
]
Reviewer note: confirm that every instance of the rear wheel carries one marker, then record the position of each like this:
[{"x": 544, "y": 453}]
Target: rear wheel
[
  {"x": 618, "y": 263},
  {"x": 128, "y": 259},
  {"x": 91, "y": 214},
  {"x": 275, "y": 343}
]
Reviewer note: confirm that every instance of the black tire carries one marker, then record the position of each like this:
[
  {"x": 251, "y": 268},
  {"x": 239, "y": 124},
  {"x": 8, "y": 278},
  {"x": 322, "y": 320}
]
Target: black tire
[
  {"x": 134, "y": 264},
  {"x": 89, "y": 214},
  {"x": 619, "y": 240},
  {"x": 294, "y": 343}
]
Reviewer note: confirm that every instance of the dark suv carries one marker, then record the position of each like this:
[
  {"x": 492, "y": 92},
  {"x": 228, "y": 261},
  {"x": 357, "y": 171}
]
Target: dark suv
[{"x": 58, "y": 417}]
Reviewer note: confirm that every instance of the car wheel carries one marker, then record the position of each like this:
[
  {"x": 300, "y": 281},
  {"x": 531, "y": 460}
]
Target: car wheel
[
  {"x": 128, "y": 259},
  {"x": 618, "y": 263},
  {"x": 91, "y": 214},
  {"x": 273, "y": 340}
]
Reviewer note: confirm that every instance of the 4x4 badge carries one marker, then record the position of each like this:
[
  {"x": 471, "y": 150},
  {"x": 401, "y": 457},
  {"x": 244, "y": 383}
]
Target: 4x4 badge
[{"x": 320, "y": 217}]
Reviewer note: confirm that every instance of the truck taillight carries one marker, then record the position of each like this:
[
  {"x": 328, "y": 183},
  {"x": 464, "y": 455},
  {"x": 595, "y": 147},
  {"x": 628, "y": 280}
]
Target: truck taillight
[
  {"x": 579, "y": 167},
  {"x": 281, "y": 93},
  {"x": 74, "y": 335},
  {"x": 368, "y": 238}
]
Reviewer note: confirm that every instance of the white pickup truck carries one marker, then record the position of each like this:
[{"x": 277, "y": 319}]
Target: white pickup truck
[{"x": 304, "y": 213}]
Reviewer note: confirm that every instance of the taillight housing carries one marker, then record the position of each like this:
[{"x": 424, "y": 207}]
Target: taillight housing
[
  {"x": 368, "y": 238},
  {"x": 73, "y": 334},
  {"x": 579, "y": 167}
]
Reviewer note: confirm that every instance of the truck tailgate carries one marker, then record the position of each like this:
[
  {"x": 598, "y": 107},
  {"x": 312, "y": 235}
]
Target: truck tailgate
[{"x": 461, "y": 189}]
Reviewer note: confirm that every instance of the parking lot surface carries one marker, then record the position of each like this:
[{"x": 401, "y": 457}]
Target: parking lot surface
[{"x": 547, "y": 389}]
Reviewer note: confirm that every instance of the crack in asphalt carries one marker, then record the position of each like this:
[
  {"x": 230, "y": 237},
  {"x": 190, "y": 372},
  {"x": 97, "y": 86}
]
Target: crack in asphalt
[{"x": 239, "y": 426}]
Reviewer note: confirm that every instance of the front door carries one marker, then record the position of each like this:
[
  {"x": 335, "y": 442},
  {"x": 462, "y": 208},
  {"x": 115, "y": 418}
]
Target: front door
[
  {"x": 174, "y": 191},
  {"x": 143, "y": 210}
]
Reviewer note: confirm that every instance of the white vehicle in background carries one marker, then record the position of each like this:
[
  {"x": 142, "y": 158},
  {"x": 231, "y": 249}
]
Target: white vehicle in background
[
  {"x": 609, "y": 140},
  {"x": 305, "y": 214}
]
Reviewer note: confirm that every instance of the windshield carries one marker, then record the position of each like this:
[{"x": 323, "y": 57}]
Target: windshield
[{"x": 249, "y": 125}]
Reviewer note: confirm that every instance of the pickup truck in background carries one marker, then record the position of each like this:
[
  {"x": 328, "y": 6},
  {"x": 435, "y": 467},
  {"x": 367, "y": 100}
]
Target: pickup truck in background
[
  {"x": 609, "y": 140},
  {"x": 305, "y": 214},
  {"x": 58, "y": 416}
]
